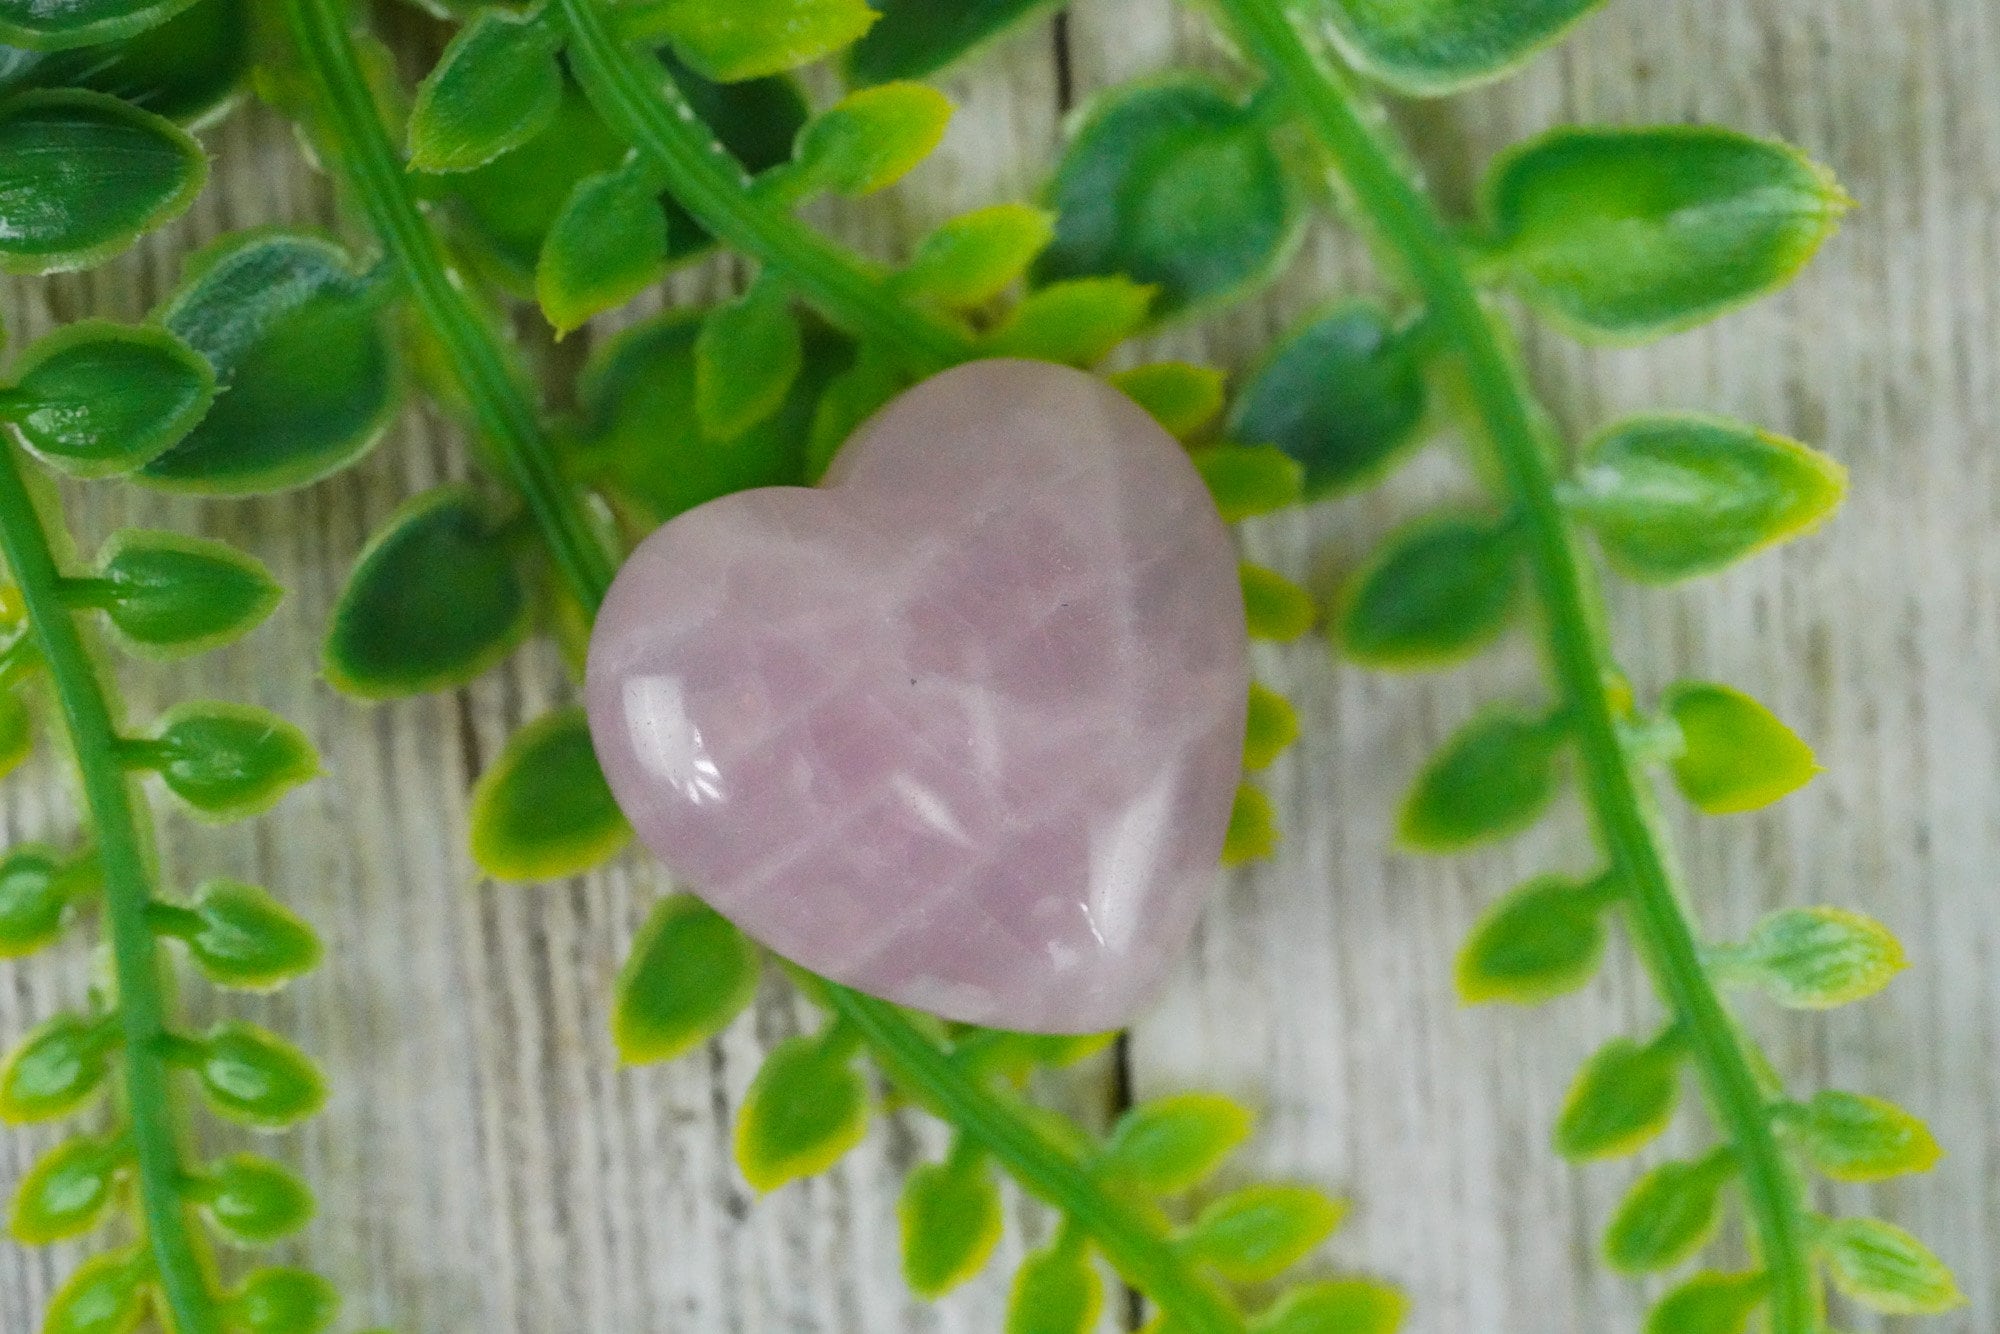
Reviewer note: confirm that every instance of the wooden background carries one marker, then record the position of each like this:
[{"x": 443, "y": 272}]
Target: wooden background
[{"x": 484, "y": 1166}]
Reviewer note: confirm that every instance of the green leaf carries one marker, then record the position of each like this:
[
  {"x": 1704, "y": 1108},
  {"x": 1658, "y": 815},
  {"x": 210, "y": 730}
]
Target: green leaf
[
  {"x": 66, "y": 1193},
  {"x": 1335, "y": 1306},
  {"x": 177, "y": 595},
  {"x": 1674, "y": 497},
  {"x": 1175, "y": 184},
  {"x": 1885, "y": 1268},
  {"x": 1623, "y": 1098},
  {"x": 229, "y": 761},
  {"x": 96, "y": 398},
  {"x": 106, "y": 1295},
  {"x": 747, "y": 355},
  {"x": 59, "y": 1066},
  {"x": 913, "y": 38},
  {"x": 1184, "y": 399},
  {"x": 1173, "y": 1144},
  {"x": 1343, "y": 394},
  {"x": 1077, "y": 322},
  {"x": 1850, "y": 1137},
  {"x": 182, "y": 69},
  {"x": 1427, "y": 48},
  {"x": 1247, "y": 482},
  {"x": 1670, "y": 1213},
  {"x": 496, "y": 86},
  {"x": 607, "y": 245},
  {"x": 34, "y": 899},
  {"x": 1632, "y": 233},
  {"x": 244, "y": 938},
  {"x": 1735, "y": 753},
  {"x": 1255, "y": 1234},
  {"x": 1435, "y": 593},
  {"x": 1055, "y": 1291},
  {"x": 542, "y": 810},
  {"x": 872, "y": 138},
  {"x": 849, "y": 399},
  {"x": 1274, "y": 607},
  {"x": 1493, "y": 779},
  {"x": 255, "y": 1200},
  {"x": 1817, "y": 958},
  {"x": 748, "y": 38},
  {"x": 805, "y": 1109},
  {"x": 1543, "y": 940},
  {"x": 1272, "y": 727},
  {"x": 56, "y": 25},
  {"x": 305, "y": 369},
  {"x": 434, "y": 600},
  {"x": 256, "y": 1077},
  {"x": 950, "y": 1217},
  {"x": 17, "y": 734},
  {"x": 689, "y": 974},
  {"x": 283, "y": 1301},
  {"x": 976, "y": 256},
  {"x": 1710, "y": 1303},
  {"x": 83, "y": 174},
  {"x": 1253, "y": 828}
]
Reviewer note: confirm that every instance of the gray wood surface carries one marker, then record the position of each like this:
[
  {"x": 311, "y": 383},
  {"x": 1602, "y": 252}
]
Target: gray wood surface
[{"x": 485, "y": 1166}]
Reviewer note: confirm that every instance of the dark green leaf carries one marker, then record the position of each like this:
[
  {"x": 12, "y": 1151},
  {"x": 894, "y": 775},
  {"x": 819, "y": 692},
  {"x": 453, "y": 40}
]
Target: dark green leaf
[
  {"x": 542, "y": 810},
  {"x": 1253, "y": 828},
  {"x": 182, "y": 69},
  {"x": 1849, "y": 1137},
  {"x": 976, "y": 256},
  {"x": 496, "y": 86},
  {"x": 229, "y": 761},
  {"x": 34, "y": 899},
  {"x": 747, "y": 355},
  {"x": 872, "y": 138},
  {"x": 1255, "y": 1234},
  {"x": 1431, "y": 47},
  {"x": 749, "y": 38},
  {"x": 255, "y": 1200},
  {"x": 1077, "y": 322},
  {"x": 1670, "y": 1214},
  {"x": 176, "y": 594},
  {"x": 1271, "y": 729},
  {"x": 1735, "y": 753},
  {"x": 607, "y": 245},
  {"x": 913, "y": 38},
  {"x": 1335, "y": 1306},
  {"x": 83, "y": 174},
  {"x": 804, "y": 1110},
  {"x": 433, "y": 601},
  {"x": 1434, "y": 594},
  {"x": 17, "y": 731},
  {"x": 1541, "y": 941},
  {"x": 1173, "y": 1144},
  {"x": 1172, "y": 183},
  {"x": 1885, "y": 1268},
  {"x": 1274, "y": 607},
  {"x": 1673, "y": 497},
  {"x": 1491, "y": 780},
  {"x": 950, "y": 1217},
  {"x": 1632, "y": 233},
  {"x": 299, "y": 351},
  {"x": 283, "y": 1301},
  {"x": 96, "y": 398},
  {"x": 55, "y": 25},
  {"x": 1817, "y": 958},
  {"x": 106, "y": 1295},
  {"x": 66, "y": 1193},
  {"x": 1343, "y": 394},
  {"x": 1184, "y": 399},
  {"x": 850, "y": 398},
  {"x": 1247, "y": 481},
  {"x": 1710, "y": 1303},
  {"x": 257, "y": 1077},
  {"x": 1056, "y": 1291},
  {"x": 244, "y": 938},
  {"x": 689, "y": 974},
  {"x": 1623, "y": 1097},
  {"x": 59, "y": 1066}
]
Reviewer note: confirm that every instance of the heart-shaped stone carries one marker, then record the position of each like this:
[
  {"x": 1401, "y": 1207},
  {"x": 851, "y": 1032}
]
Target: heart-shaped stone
[{"x": 960, "y": 728}]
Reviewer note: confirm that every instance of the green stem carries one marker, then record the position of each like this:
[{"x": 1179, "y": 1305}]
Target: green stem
[
  {"x": 1132, "y": 1244},
  {"x": 1413, "y": 234},
  {"x": 358, "y": 148},
  {"x": 128, "y": 895},
  {"x": 643, "y": 105}
]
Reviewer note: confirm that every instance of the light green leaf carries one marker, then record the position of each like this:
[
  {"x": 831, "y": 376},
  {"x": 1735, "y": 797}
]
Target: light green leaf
[
  {"x": 1543, "y": 940},
  {"x": 172, "y": 594},
  {"x": 1274, "y": 607},
  {"x": 1632, "y": 233},
  {"x": 255, "y": 1200},
  {"x": 1434, "y": 594},
  {"x": 244, "y": 938},
  {"x": 83, "y": 174},
  {"x": 305, "y": 371},
  {"x": 34, "y": 899},
  {"x": 1255, "y": 1234},
  {"x": 913, "y": 38},
  {"x": 17, "y": 736},
  {"x": 1671, "y": 1213},
  {"x": 872, "y": 138},
  {"x": 1849, "y": 1137},
  {"x": 1735, "y": 753},
  {"x": 950, "y": 1216},
  {"x": 976, "y": 256},
  {"x": 607, "y": 245},
  {"x": 689, "y": 974},
  {"x": 805, "y": 1109},
  {"x": 96, "y": 398},
  {"x": 1885, "y": 1268},
  {"x": 1428, "y": 48},
  {"x": 496, "y": 86},
  {"x": 1817, "y": 958},
  {"x": 1185, "y": 399},
  {"x": 1174, "y": 183},
  {"x": 1077, "y": 322},
  {"x": 1674, "y": 497},
  {"x": 542, "y": 810},
  {"x": 58, "y": 25},
  {"x": 1248, "y": 481},
  {"x": 66, "y": 1193},
  {"x": 747, "y": 355},
  {"x": 1173, "y": 1144},
  {"x": 1493, "y": 779},
  {"x": 1344, "y": 394},
  {"x": 1253, "y": 828},
  {"x": 1623, "y": 1097},
  {"x": 283, "y": 1301},
  {"x": 228, "y": 761},
  {"x": 257, "y": 1077},
  {"x": 1056, "y": 1291},
  {"x": 1336, "y": 1306},
  {"x": 106, "y": 1295},
  {"x": 1273, "y": 726},
  {"x": 1710, "y": 1303},
  {"x": 748, "y": 38},
  {"x": 58, "y": 1067},
  {"x": 433, "y": 601}
]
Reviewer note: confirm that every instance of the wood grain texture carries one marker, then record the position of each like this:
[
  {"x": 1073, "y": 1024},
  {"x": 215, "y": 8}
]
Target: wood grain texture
[{"x": 485, "y": 1166}]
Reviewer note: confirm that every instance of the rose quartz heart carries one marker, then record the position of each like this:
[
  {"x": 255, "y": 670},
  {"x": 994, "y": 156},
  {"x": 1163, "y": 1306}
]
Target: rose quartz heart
[{"x": 962, "y": 727}]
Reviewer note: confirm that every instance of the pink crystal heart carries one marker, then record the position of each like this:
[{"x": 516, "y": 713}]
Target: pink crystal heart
[{"x": 959, "y": 728}]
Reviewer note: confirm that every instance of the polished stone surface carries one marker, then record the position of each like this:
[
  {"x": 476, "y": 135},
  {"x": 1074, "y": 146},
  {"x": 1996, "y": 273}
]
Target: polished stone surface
[{"x": 961, "y": 727}]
